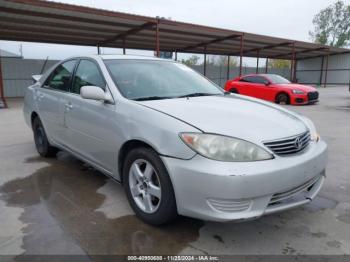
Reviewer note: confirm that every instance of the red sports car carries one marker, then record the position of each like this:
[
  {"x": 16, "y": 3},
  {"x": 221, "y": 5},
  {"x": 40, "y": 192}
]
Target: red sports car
[{"x": 273, "y": 88}]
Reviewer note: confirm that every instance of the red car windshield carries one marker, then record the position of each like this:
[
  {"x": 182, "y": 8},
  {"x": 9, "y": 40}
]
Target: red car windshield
[{"x": 276, "y": 79}]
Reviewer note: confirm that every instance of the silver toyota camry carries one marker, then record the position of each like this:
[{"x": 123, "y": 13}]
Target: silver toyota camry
[{"x": 177, "y": 142}]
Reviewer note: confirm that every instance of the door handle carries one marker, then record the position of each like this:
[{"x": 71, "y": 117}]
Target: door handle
[
  {"x": 68, "y": 106},
  {"x": 39, "y": 96}
]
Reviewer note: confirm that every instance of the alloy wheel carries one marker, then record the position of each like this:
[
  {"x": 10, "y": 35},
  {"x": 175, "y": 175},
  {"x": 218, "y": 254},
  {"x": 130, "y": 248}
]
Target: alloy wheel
[{"x": 144, "y": 186}]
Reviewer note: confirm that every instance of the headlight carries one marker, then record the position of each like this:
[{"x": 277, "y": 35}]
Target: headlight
[
  {"x": 224, "y": 148},
  {"x": 314, "y": 135},
  {"x": 299, "y": 92}
]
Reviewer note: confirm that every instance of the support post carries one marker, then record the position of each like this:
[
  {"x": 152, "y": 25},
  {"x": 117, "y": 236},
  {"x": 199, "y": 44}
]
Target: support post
[
  {"x": 175, "y": 55},
  {"x": 2, "y": 95},
  {"x": 257, "y": 61},
  {"x": 292, "y": 62},
  {"x": 228, "y": 68},
  {"x": 321, "y": 72},
  {"x": 295, "y": 71},
  {"x": 98, "y": 49},
  {"x": 124, "y": 46},
  {"x": 241, "y": 55},
  {"x": 205, "y": 61},
  {"x": 326, "y": 72},
  {"x": 157, "y": 39},
  {"x": 267, "y": 64}
]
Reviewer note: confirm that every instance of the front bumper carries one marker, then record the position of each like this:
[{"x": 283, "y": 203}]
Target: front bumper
[
  {"x": 222, "y": 191},
  {"x": 304, "y": 99}
]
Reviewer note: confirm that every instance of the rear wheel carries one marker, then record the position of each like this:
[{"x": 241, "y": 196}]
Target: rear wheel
[
  {"x": 282, "y": 99},
  {"x": 41, "y": 142},
  {"x": 148, "y": 187}
]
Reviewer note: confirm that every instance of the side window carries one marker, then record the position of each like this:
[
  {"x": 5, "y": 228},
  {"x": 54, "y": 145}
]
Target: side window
[
  {"x": 248, "y": 79},
  {"x": 253, "y": 79},
  {"x": 60, "y": 78},
  {"x": 87, "y": 74},
  {"x": 260, "y": 80}
]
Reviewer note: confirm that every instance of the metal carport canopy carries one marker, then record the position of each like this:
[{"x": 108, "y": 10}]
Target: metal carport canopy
[{"x": 52, "y": 22}]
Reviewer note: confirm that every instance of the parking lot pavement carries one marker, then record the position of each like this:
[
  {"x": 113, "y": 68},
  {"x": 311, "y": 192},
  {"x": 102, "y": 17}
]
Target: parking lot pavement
[{"x": 62, "y": 206}]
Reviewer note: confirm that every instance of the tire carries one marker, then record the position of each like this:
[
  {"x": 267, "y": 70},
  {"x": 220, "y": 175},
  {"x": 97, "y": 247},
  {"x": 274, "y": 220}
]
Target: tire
[
  {"x": 234, "y": 90},
  {"x": 41, "y": 142},
  {"x": 153, "y": 208},
  {"x": 282, "y": 99}
]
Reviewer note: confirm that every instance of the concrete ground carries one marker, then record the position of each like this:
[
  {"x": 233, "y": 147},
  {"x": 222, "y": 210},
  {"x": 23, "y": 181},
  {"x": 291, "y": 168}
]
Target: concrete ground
[{"x": 62, "y": 206}]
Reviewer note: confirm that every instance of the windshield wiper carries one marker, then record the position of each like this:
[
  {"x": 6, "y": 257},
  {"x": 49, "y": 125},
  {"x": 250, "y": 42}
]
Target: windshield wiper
[
  {"x": 197, "y": 94},
  {"x": 152, "y": 98}
]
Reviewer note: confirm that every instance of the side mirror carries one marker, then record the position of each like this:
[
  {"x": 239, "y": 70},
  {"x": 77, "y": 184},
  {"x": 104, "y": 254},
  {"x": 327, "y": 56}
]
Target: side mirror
[
  {"x": 95, "y": 93},
  {"x": 267, "y": 83},
  {"x": 36, "y": 78}
]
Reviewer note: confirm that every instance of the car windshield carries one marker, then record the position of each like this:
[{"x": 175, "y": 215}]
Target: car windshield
[
  {"x": 276, "y": 79},
  {"x": 152, "y": 79}
]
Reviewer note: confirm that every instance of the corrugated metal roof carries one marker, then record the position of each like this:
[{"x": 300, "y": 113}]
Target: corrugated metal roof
[{"x": 52, "y": 22}]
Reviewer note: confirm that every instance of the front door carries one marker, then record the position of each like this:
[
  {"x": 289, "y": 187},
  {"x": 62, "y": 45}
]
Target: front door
[{"x": 89, "y": 123}]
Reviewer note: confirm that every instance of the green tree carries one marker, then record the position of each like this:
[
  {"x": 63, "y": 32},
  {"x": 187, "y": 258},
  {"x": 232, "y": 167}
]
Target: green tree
[
  {"x": 192, "y": 60},
  {"x": 278, "y": 63},
  {"x": 219, "y": 60},
  {"x": 332, "y": 25}
]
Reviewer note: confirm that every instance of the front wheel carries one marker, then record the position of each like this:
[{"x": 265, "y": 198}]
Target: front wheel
[
  {"x": 148, "y": 187},
  {"x": 282, "y": 99}
]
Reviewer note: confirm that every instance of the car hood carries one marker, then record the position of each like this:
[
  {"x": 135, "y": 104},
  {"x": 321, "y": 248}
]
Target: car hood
[
  {"x": 304, "y": 88},
  {"x": 232, "y": 115}
]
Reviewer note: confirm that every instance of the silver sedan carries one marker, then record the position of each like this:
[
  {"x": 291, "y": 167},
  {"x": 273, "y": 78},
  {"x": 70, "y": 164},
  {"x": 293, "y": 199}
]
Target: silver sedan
[{"x": 177, "y": 142}]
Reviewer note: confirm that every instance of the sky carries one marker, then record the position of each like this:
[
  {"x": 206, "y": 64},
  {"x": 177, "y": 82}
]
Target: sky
[{"x": 291, "y": 19}]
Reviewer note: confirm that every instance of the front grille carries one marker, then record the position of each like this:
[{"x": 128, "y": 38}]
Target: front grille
[
  {"x": 290, "y": 145},
  {"x": 311, "y": 96},
  {"x": 294, "y": 191}
]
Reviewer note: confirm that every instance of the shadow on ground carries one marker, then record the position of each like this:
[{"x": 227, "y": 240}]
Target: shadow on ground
[{"x": 60, "y": 203}]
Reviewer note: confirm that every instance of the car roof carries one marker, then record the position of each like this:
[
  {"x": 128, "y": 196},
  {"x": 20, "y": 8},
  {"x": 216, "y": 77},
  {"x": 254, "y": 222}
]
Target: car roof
[
  {"x": 263, "y": 75},
  {"x": 123, "y": 57}
]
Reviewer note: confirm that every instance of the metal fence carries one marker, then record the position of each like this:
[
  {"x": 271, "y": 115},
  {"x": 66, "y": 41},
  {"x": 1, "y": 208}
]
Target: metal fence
[
  {"x": 17, "y": 74},
  {"x": 218, "y": 74},
  {"x": 316, "y": 71}
]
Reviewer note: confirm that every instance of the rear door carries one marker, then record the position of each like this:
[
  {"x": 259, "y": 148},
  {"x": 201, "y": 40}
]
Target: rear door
[{"x": 50, "y": 99}]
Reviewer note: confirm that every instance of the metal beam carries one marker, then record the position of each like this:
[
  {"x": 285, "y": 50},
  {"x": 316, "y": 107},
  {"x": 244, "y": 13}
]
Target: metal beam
[
  {"x": 205, "y": 61},
  {"x": 63, "y": 17},
  {"x": 124, "y": 46},
  {"x": 326, "y": 73},
  {"x": 257, "y": 61},
  {"x": 217, "y": 40},
  {"x": 98, "y": 49},
  {"x": 241, "y": 54},
  {"x": 157, "y": 39},
  {"x": 228, "y": 68},
  {"x": 264, "y": 47},
  {"x": 2, "y": 95},
  {"x": 295, "y": 71},
  {"x": 128, "y": 32},
  {"x": 321, "y": 71},
  {"x": 292, "y": 62},
  {"x": 330, "y": 54},
  {"x": 266, "y": 65},
  {"x": 300, "y": 52}
]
